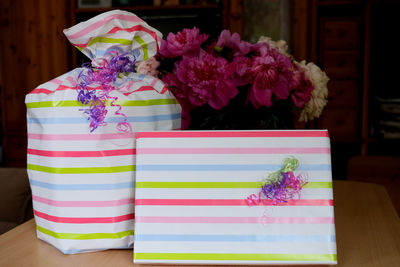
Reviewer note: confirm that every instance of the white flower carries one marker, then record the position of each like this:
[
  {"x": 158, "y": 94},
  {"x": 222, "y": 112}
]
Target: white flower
[
  {"x": 280, "y": 44},
  {"x": 319, "y": 95}
]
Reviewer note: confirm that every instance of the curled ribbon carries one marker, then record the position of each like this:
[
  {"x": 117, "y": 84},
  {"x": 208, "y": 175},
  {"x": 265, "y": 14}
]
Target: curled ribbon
[
  {"x": 105, "y": 74},
  {"x": 280, "y": 185}
]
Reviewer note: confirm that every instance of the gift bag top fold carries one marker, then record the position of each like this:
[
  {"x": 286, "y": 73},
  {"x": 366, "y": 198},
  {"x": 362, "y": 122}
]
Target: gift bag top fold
[{"x": 114, "y": 33}]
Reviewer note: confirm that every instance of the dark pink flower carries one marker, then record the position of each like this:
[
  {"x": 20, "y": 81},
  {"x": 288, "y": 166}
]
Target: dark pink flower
[
  {"x": 272, "y": 77},
  {"x": 208, "y": 79},
  {"x": 187, "y": 40},
  {"x": 180, "y": 91},
  {"x": 301, "y": 88},
  {"x": 239, "y": 48},
  {"x": 243, "y": 71}
]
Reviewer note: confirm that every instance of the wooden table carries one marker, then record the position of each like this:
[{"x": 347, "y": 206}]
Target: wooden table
[{"x": 367, "y": 228}]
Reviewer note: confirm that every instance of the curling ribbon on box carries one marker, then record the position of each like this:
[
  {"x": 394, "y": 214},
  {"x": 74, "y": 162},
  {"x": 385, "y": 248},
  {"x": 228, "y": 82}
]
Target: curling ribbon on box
[{"x": 280, "y": 185}]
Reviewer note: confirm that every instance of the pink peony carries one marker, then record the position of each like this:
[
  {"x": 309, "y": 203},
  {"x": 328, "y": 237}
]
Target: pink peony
[
  {"x": 272, "y": 76},
  {"x": 187, "y": 40},
  {"x": 243, "y": 71},
  {"x": 207, "y": 78},
  {"x": 239, "y": 48}
]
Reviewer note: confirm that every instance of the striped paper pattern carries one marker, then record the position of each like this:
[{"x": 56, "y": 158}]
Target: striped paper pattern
[
  {"x": 119, "y": 30},
  {"x": 83, "y": 183},
  {"x": 191, "y": 188}
]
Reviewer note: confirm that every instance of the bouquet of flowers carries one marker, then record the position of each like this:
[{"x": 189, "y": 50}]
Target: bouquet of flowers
[{"x": 233, "y": 84}]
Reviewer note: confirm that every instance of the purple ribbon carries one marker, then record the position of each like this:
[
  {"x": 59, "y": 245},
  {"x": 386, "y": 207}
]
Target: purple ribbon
[
  {"x": 281, "y": 185},
  {"x": 104, "y": 75}
]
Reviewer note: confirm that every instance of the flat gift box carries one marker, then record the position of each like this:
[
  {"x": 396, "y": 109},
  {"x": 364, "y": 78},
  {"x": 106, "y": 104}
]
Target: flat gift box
[{"x": 192, "y": 190}]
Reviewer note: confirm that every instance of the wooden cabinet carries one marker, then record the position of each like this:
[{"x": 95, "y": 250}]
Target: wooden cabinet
[
  {"x": 340, "y": 52},
  {"x": 33, "y": 50},
  {"x": 336, "y": 36},
  {"x": 339, "y": 34}
]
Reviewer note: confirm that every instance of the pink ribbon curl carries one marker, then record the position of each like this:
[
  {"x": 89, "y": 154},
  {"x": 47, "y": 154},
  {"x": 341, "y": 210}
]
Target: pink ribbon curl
[{"x": 104, "y": 75}]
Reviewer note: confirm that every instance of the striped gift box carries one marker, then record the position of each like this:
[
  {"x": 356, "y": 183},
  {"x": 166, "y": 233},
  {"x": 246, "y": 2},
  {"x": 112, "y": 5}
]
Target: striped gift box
[
  {"x": 191, "y": 191},
  {"x": 83, "y": 183}
]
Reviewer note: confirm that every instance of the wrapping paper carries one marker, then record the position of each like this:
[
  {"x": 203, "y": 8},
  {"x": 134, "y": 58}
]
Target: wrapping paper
[
  {"x": 191, "y": 192},
  {"x": 83, "y": 182}
]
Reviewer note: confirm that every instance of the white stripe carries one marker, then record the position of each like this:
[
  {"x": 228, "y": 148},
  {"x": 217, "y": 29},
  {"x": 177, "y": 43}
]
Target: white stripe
[
  {"x": 66, "y": 162},
  {"x": 220, "y": 193},
  {"x": 234, "y": 228},
  {"x": 235, "y": 211},
  {"x": 85, "y": 145},
  {"x": 88, "y": 212},
  {"x": 221, "y": 176},
  {"x": 232, "y": 158},
  {"x": 89, "y": 195}
]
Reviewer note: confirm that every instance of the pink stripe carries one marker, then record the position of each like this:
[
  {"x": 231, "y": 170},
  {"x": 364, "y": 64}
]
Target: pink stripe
[
  {"x": 255, "y": 150},
  {"x": 138, "y": 28},
  {"x": 57, "y": 203},
  {"x": 132, "y": 29},
  {"x": 142, "y": 88},
  {"x": 103, "y": 153},
  {"x": 228, "y": 202},
  {"x": 272, "y": 220},
  {"x": 164, "y": 90},
  {"x": 41, "y": 91},
  {"x": 57, "y": 219},
  {"x": 60, "y": 88},
  {"x": 213, "y": 134},
  {"x": 81, "y": 137},
  {"x": 57, "y": 81},
  {"x": 71, "y": 80},
  {"x": 102, "y": 22},
  {"x": 154, "y": 82}
]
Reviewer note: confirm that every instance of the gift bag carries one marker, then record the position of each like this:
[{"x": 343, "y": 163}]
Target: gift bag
[
  {"x": 234, "y": 197},
  {"x": 81, "y": 135}
]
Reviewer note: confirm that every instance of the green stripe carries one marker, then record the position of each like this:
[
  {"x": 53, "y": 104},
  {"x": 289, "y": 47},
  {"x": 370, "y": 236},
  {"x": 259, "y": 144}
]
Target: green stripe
[
  {"x": 85, "y": 236},
  {"x": 235, "y": 257},
  {"x": 218, "y": 185},
  {"x": 123, "y": 103},
  {"x": 198, "y": 184},
  {"x": 318, "y": 185},
  {"x": 79, "y": 48},
  {"x": 143, "y": 45},
  {"x": 110, "y": 41},
  {"x": 79, "y": 170}
]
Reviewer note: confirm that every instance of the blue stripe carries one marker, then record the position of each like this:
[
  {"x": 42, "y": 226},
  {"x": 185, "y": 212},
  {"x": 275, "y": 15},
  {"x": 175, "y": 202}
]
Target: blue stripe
[
  {"x": 108, "y": 120},
  {"x": 125, "y": 80},
  {"x": 238, "y": 238},
  {"x": 236, "y": 167},
  {"x": 88, "y": 187},
  {"x": 104, "y": 52}
]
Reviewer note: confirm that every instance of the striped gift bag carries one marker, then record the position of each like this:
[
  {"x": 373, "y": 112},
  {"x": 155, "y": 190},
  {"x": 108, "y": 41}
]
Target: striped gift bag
[
  {"x": 83, "y": 182},
  {"x": 192, "y": 204}
]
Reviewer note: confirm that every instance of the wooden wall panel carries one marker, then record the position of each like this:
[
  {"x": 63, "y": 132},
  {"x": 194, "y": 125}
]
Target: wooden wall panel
[{"x": 33, "y": 50}]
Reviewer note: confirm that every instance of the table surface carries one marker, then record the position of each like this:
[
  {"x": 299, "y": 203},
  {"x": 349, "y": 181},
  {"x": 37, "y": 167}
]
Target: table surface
[{"x": 367, "y": 234}]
